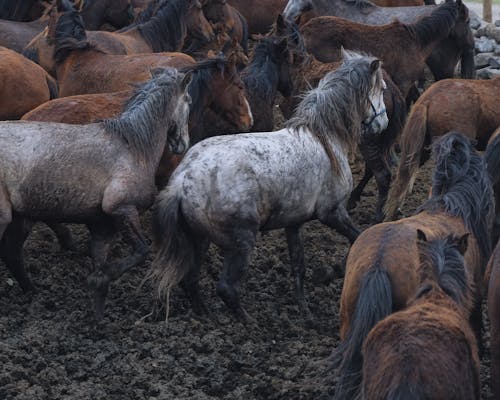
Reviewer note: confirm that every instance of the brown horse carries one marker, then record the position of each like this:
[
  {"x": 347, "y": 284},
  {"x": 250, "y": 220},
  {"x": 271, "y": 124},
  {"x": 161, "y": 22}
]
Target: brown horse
[
  {"x": 324, "y": 37},
  {"x": 494, "y": 316},
  {"x": 259, "y": 14},
  {"x": 95, "y": 13},
  {"x": 215, "y": 86},
  {"x": 428, "y": 350},
  {"x": 467, "y": 106},
  {"x": 220, "y": 12},
  {"x": 41, "y": 161},
  {"x": 81, "y": 68},
  {"x": 23, "y": 85},
  {"x": 381, "y": 270}
]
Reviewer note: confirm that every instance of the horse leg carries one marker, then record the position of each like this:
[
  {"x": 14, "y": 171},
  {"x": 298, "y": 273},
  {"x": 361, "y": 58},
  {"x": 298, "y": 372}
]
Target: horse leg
[
  {"x": 296, "y": 251},
  {"x": 11, "y": 251},
  {"x": 383, "y": 179},
  {"x": 476, "y": 322},
  {"x": 236, "y": 260},
  {"x": 356, "y": 193},
  {"x": 190, "y": 282},
  {"x": 340, "y": 220},
  {"x": 63, "y": 235}
]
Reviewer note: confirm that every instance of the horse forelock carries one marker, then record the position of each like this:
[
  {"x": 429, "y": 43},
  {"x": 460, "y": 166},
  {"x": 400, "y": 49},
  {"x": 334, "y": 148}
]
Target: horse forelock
[
  {"x": 152, "y": 103},
  {"x": 435, "y": 26},
  {"x": 444, "y": 261},
  {"x": 70, "y": 35},
  {"x": 461, "y": 187},
  {"x": 335, "y": 109},
  {"x": 166, "y": 30}
]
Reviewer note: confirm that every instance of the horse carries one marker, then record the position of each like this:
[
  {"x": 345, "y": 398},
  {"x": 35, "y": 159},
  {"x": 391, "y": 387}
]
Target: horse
[
  {"x": 428, "y": 350},
  {"x": 458, "y": 46},
  {"x": 227, "y": 188},
  {"x": 467, "y": 106},
  {"x": 220, "y": 12},
  {"x": 95, "y": 13},
  {"x": 215, "y": 86},
  {"x": 381, "y": 267},
  {"x": 492, "y": 154},
  {"x": 493, "y": 282},
  {"x": 324, "y": 36},
  {"x": 23, "y": 85},
  {"x": 81, "y": 68},
  {"x": 259, "y": 14},
  {"x": 41, "y": 162}
]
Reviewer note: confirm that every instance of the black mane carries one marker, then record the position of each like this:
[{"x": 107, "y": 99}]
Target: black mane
[{"x": 70, "y": 35}]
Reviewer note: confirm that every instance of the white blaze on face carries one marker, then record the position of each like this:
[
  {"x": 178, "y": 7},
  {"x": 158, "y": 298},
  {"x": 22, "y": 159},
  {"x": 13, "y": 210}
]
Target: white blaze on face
[{"x": 249, "y": 113}]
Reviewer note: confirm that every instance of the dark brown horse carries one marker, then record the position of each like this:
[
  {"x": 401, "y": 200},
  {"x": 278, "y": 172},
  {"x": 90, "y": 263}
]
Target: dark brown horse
[
  {"x": 467, "y": 106},
  {"x": 23, "y": 85},
  {"x": 494, "y": 316},
  {"x": 381, "y": 270},
  {"x": 259, "y": 14},
  {"x": 428, "y": 350},
  {"x": 41, "y": 161},
  {"x": 324, "y": 37},
  {"x": 81, "y": 68},
  {"x": 95, "y": 13},
  {"x": 457, "y": 46},
  {"x": 493, "y": 156}
]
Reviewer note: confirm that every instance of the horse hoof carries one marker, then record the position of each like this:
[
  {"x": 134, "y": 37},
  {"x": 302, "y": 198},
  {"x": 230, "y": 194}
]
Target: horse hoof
[{"x": 98, "y": 282}]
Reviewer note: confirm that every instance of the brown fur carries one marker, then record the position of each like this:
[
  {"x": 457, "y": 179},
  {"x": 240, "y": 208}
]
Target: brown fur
[
  {"x": 493, "y": 282},
  {"x": 23, "y": 85},
  {"x": 427, "y": 349},
  {"x": 324, "y": 37},
  {"x": 260, "y": 14},
  {"x": 466, "y": 106}
]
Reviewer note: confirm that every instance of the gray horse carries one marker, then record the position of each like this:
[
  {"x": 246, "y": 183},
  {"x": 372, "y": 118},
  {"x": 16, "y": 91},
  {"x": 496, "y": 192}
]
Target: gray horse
[
  {"x": 227, "y": 188},
  {"x": 101, "y": 175}
]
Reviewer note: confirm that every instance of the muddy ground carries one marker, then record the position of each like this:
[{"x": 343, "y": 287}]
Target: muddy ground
[{"x": 50, "y": 350}]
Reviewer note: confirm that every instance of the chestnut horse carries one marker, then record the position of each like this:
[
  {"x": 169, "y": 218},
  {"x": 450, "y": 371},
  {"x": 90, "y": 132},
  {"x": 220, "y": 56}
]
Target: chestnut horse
[
  {"x": 81, "y": 68},
  {"x": 494, "y": 316},
  {"x": 324, "y": 37},
  {"x": 23, "y": 85},
  {"x": 46, "y": 175},
  {"x": 457, "y": 46},
  {"x": 428, "y": 350},
  {"x": 466, "y": 106},
  {"x": 381, "y": 270}
]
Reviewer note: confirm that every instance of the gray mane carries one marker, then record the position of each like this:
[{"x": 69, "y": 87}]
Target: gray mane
[
  {"x": 337, "y": 106},
  {"x": 149, "y": 108}
]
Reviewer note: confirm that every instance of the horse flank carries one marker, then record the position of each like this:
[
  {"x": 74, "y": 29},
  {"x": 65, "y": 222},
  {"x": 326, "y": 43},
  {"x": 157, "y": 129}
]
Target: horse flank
[
  {"x": 151, "y": 102},
  {"x": 340, "y": 98}
]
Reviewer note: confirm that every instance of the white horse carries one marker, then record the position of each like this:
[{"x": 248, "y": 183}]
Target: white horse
[{"x": 227, "y": 188}]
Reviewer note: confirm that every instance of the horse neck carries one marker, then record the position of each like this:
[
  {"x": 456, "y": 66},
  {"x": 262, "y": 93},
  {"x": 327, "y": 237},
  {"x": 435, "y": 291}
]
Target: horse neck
[
  {"x": 261, "y": 79},
  {"x": 202, "y": 96}
]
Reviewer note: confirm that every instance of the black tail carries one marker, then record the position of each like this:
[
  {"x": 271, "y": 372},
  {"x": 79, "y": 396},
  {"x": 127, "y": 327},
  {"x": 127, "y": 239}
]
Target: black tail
[
  {"x": 374, "y": 303},
  {"x": 492, "y": 158},
  {"x": 173, "y": 241},
  {"x": 53, "y": 88}
]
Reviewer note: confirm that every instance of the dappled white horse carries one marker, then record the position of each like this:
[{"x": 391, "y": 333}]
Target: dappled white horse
[{"x": 227, "y": 188}]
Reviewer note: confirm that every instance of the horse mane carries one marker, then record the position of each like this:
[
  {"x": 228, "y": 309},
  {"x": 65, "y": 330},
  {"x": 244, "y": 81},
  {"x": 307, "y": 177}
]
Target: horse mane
[
  {"x": 362, "y": 4},
  {"x": 461, "y": 187},
  {"x": 336, "y": 107},
  {"x": 437, "y": 25},
  {"x": 262, "y": 68},
  {"x": 147, "y": 108},
  {"x": 492, "y": 157},
  {"x": 70, "y": 35},
  {"x": 442, "y": 257},
  {"x": 166, "y": 30}
]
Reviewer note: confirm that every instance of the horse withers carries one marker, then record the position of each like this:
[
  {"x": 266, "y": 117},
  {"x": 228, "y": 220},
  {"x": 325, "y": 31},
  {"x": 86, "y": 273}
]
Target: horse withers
[
  {"x": 45, "y": 174},
  {"x": 227, "y": 188}
]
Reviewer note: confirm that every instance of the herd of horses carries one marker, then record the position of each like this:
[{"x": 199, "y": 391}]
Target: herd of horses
[{"x": 118, "y": 100}]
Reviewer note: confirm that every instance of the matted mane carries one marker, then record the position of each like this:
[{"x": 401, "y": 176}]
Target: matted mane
[
  {"x": 166, "y": 30},
  {"x": 442, "y": 257},
  {"x": 438, "y": 24},
  {"x": 337, "y": 106},
  {"x": 152, "y": 102},
  {"x": 461, "y": 187},
  {"x": 70, "y": 36}
]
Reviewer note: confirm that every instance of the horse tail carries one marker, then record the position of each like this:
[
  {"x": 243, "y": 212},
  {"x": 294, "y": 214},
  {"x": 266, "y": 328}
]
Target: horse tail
[
  {"x": 492, "y": 158},
  {"x": 412, "y": 143},
  {"x": 52, "y": 85},
  {"x": 172, "y": 241},
  {"x": 374, "y": 303}
]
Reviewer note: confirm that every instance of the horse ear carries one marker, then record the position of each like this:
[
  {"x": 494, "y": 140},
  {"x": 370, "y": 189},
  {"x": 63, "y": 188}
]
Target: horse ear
[
  {"x": 421, "y": 236},
  {"x": 374, "y": 66},
  {"x": 462, "y": 243},
  {"x": 186, "y": 80}
]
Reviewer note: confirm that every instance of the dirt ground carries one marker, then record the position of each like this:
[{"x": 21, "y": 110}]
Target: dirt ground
[{"x": 50, "y": 350}]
